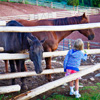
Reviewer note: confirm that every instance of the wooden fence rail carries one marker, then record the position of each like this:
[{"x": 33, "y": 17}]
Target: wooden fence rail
[
  {"x": 10, "y": 56},
  {"x": 33, "y": 73},
  {"x": 49, "y": 28},
  {"x": 9, "y": 89},
  {"x": 34, "y": 92}
]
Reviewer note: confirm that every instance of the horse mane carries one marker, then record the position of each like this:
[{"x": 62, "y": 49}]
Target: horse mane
[
  {"x": 22, "y": 37},
  {"x": 67, "y": 20}
]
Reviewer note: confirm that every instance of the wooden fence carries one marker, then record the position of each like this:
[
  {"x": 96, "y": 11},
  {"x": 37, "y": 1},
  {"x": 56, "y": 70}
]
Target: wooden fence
[
  {"x": 58, "y": 14},
  {"x": 56, "y": 83},
  {"x": 49, "y": 28}
]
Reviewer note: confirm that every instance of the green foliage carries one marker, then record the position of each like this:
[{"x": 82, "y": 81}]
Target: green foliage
[
  {"x": 89, "y": 87},
  {"x": 57, "y": 0},
  {"x": 3, "y": 0},
  {"x": 96, "y": 3},
  {"x": 73, "y": 2}
]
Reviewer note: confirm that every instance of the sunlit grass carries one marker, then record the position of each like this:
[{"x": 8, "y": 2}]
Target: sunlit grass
[{"x": 87, "y": 93}]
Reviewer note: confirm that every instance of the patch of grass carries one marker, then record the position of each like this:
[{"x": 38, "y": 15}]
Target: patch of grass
[
  {"x": 87, "y": 93},
  {"x": 98, "y": 84},
  {"x": 89, "y": 87},
  {"x": 3, "y": 97},
  {"x": 57, "y": 97}
]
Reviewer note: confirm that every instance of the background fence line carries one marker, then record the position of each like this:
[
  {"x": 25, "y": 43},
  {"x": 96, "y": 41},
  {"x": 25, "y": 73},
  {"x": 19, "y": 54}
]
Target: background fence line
[{"x": 58, "y": 14}]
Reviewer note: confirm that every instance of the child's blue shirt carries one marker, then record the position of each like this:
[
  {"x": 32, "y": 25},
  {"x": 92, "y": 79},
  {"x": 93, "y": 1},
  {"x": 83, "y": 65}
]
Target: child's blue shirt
[{"x": 73, "y": 59}]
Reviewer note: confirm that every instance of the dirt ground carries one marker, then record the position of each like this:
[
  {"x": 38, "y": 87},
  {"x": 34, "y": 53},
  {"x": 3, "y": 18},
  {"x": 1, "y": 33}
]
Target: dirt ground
[{"x": 9, "y": 9}]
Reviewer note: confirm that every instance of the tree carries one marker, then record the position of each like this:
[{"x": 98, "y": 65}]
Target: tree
[
  {"x": 73, "y": 2},
  {"x": 96, "y": 3}
]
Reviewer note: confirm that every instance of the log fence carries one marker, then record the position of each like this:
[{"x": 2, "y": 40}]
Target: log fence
[
  {"x": 51, "y": 85},
  {"x": 49, "y": 28},
  {"x": 54, "y": 84}
]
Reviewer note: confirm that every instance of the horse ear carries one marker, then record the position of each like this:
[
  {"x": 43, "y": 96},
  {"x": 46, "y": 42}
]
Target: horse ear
[
  {"x": 29, "y": 41},
  {"x": 42, "y": 41},
  {"x": 84, "y": 15}
]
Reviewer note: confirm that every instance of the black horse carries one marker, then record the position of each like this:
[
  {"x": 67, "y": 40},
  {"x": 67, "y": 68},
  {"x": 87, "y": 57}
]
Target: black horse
[{"x": 15, "y": 42}]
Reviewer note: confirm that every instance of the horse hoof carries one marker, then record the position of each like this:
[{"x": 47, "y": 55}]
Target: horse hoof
[{"x": 24, "y": 87}]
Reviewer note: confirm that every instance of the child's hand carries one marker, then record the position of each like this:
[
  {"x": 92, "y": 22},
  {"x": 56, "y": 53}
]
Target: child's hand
[{"x": 85, "y": 52}]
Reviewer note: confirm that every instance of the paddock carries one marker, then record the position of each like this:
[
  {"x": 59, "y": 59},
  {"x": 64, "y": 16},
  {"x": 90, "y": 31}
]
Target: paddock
[{"x": 54, "y": 84}]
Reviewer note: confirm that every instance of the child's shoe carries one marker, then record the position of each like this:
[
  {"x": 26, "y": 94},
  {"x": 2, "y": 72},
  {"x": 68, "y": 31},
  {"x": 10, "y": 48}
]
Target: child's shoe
[
  {"x": 77, "y": 95},
  {"x": 72, "y": 93}
]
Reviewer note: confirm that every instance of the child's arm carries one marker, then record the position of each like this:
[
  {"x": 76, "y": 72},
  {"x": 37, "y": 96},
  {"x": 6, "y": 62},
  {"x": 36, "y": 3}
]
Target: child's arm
[
  {"x": 84, "y": 58},
  {"x": 65, "y": 62}
]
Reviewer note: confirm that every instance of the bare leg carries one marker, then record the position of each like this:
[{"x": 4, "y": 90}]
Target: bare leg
[
  {"x": 72, "y": 88},
  {"x": 77, "y": 84},
  {"x": 71, "y": 83},
  {"x": 77, "y": 88}
]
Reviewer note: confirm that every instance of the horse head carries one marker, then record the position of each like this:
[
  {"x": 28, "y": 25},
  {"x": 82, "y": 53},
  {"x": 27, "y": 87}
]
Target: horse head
[
  {"x": 86, "y": 32},
  {"x": 36, "y": 53}
]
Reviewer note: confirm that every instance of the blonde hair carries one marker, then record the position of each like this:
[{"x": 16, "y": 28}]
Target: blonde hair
[{"x": 78, "y": 44}]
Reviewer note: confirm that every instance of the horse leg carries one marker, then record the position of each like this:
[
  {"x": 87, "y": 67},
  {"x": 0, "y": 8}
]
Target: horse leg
[
  {"x": 20, "y": 67},
  {"x": 12, "y": 67},
  {"x": 6, "y": 65},
  {"x": 25, "y": 67},
  {"x": 48, "y": 66}
]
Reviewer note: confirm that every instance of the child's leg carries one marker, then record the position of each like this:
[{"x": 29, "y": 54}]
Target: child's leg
[
  {"x": 77, "y": 84},
  {"x": 72, "y": 88},
  {"x": 77, "y": 88}
]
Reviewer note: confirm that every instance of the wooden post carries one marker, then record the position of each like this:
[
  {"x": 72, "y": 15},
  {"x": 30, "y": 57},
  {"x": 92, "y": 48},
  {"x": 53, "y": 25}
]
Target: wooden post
[
  {"x": 69, "y": 44},
  {"x": 23, "y": 1},
  {"x": 51, "y": 6},
  {"x": 37, "y": 2},
  {"x": 34, "y": 92},
  {"x": 9, "y": 89},
  {"x": 88, "y": 45}
]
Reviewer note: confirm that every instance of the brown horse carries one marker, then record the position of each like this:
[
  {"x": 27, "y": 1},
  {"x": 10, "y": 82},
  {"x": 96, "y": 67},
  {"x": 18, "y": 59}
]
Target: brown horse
[{"x": 53, "y": 38}]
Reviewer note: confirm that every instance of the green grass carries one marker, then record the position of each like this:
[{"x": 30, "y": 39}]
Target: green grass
[{"x": 87, "y": 92}]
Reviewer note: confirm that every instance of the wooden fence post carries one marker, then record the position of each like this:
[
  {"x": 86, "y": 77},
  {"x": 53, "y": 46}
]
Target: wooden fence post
[
  {"x": 69, "y": 44},
  {"x": 88, "y": 45},
  {"x": 37, "y": 2},
  {"x": 51, "y": 6}
]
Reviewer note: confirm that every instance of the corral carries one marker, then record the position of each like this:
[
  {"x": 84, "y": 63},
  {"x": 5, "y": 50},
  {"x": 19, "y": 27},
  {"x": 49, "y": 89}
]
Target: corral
[
  {"x": 60, "y": 81},
  {"x": 29, "y": 80}
]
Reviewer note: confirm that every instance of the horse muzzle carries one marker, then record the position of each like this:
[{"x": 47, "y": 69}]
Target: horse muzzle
[
  {"x": 90, "y": 37},
  {"x": 39, "y": 71}
]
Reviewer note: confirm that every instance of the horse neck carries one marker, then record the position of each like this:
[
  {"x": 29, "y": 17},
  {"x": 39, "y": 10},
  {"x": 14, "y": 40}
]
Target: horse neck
[
  {"x": 62, "y": 35},
  {"x": 25, "y": 44},
  {"x": 66, "y": 21}
]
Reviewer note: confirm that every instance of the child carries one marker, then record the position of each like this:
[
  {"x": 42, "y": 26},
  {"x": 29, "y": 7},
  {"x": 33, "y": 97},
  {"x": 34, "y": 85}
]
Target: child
[{"x": 72, "y": 62}]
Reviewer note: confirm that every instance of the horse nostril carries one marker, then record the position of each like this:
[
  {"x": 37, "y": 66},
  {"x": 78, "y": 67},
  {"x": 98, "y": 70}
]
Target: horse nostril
[{"x": 39, "y": 71}]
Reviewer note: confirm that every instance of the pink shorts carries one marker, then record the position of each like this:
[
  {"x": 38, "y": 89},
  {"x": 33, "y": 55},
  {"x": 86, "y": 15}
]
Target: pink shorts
[{"x": 69, "y": 72}]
